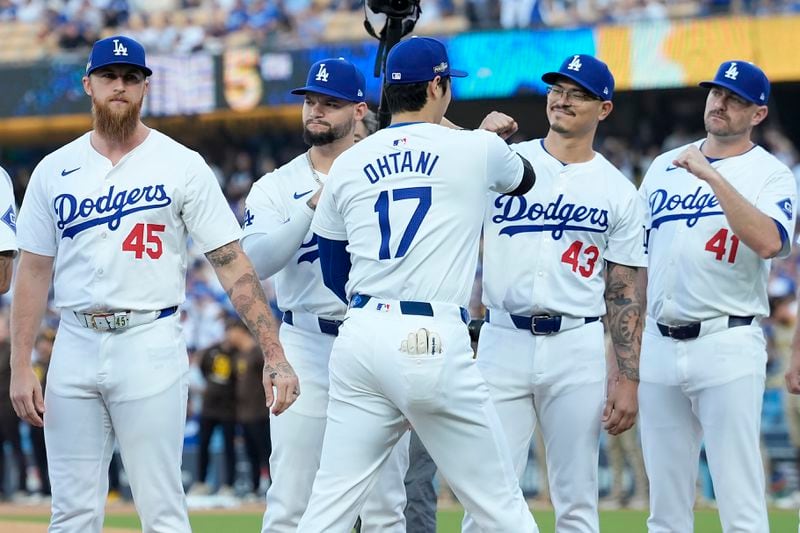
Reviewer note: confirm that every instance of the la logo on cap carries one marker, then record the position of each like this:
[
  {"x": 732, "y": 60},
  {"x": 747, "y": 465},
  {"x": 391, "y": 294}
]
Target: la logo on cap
[
  {"x": 322, "y": 73},
  {"x": 732, "y": 73},
  {"x": 575, "y": 64},
  {"x": 119, "y": 48}
]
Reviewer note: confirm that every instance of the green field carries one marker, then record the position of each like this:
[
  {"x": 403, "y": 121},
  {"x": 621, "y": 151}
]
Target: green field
[{"x": 706, "y": 521}]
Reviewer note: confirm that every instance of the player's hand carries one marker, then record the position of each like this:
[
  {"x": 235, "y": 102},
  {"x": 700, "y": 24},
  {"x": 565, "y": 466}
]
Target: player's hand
[
  {"x": 499, "y": 123},
  {"x": 622, "y": 405},
  {"x": 693, "y": 161},
  {"x": 281, "y": 376},
  {"x": 422, "y": 342},
  {"x": 314, "y": 200},
  {"x": 792, "y": 375},
  {"x": 26, "y": 395}
]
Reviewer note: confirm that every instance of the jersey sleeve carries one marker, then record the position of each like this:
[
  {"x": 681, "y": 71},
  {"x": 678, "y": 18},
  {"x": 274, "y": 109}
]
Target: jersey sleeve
[
  {"x": 328, "y": 221},
  {"x": 36, "y": 229},
  {"x": 206, "y": 213},
  {"x": 778, "y": 200},
  {"x": 8, "y": 220},
  {"x": 627, "y": 238},
  {"x": 504, "y": 167},
  {"x": 263, "y": 212}
]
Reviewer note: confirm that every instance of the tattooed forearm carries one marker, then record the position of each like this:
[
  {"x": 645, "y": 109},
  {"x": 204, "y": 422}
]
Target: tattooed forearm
[
  {"x": 624, "y": 303},
  {"x": 224, "y": 255},
  {"x": 247, "y": 296}
]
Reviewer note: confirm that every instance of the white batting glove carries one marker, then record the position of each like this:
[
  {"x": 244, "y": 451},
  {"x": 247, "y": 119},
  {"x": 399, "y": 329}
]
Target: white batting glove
[{"x": 422, "y": 342}]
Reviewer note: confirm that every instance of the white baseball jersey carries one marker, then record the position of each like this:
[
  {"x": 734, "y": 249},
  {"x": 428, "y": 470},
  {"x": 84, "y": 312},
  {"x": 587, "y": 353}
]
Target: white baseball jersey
[
  {"x": 545, "y": 252},
  {"x": 8, "y": 219},
  {"x": 698, "y": 269},
  {"x": 272, "y": 201},
  {"x": 415, "y": 192},
  {"x": 118, "y": 233}
]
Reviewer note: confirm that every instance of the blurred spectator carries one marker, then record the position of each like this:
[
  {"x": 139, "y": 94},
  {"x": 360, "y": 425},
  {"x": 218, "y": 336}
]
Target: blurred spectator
[
  {"x": 9, "y": 423},
  {"x": 218, "y": 366},
  {"x": 252, "y": 412},
  {"x": 43, "y": 349}
]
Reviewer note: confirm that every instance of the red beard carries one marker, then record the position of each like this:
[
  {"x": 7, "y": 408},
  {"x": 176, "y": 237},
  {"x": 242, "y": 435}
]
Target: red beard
[{"x": 116, "y": 125}]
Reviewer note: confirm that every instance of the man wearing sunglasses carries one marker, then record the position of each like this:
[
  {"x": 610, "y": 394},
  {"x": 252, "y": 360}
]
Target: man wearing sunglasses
[{"x": 555, "y": 260}]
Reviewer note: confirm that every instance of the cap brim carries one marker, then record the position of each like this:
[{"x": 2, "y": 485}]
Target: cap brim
[
  {"x": 146, "y": 70},
  {"x": 552, "y": 77},
  {"x": 455, "y": 73},
  {"x": 732, "y": 88},
  {"x": 327, "y": 92}
]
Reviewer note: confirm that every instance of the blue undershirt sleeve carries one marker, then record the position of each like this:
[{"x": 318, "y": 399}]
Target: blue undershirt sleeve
[{"x": 334, "y": 260}]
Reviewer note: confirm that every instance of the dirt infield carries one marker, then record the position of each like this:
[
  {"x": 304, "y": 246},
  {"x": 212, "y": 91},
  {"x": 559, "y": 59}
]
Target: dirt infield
[
  {"x": 29, "y": 527},
  {"x": 9, "y": 525}
]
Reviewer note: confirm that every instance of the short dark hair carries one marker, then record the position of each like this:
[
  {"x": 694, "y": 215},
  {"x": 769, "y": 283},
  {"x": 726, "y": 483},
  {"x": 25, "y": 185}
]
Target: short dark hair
[{"x": 409, "y": 96}]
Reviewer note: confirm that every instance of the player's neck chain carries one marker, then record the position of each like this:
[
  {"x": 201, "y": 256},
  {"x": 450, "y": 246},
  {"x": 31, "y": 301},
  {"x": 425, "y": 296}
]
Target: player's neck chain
[{"x": 312, "y": 169}]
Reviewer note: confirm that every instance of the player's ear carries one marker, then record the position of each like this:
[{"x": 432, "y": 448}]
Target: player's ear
[
  {"x": 87, "y": 87},
  {"x": 759, "y": 116},
  {"x": 433, "y": 88},
  {"x": 605, "y": 109},
  {"x": 360, "y": 111}
]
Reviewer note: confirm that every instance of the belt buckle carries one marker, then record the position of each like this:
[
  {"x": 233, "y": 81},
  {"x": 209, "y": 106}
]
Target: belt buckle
[
  {"x": 109, "y": 321},
  {"x": 534, "y": 329},
  {"x": 674, "y": 331}
]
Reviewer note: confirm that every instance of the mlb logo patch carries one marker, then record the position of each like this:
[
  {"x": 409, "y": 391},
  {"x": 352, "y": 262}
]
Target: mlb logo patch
[
  {"x": 383, "y": 307},
  {"x": 398, "y": 142},
  {"x": 786, "y": 207},
  {"x": 397, "y": 75}
]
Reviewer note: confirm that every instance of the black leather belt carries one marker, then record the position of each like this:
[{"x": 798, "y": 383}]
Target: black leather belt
[
  {"x": 540, "y": 324},
  {"x": 692, "y": 331},
  {"x": 329, "y": 327},
  {"x": 407, "y": 307}
]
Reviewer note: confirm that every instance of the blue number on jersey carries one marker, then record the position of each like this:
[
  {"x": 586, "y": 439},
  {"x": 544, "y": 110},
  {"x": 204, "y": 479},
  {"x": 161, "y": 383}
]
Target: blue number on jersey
[{"x": 423, "y": 194}]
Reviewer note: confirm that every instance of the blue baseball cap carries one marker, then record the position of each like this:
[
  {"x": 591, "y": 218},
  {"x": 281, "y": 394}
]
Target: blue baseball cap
[
  {"x": 742, "y": 78},
  {"x": 588, "y": 72},
  {"x": 117, "y": 50},
  {"x": 336, "y": 77},
  {"x": 419, "y": 59}
]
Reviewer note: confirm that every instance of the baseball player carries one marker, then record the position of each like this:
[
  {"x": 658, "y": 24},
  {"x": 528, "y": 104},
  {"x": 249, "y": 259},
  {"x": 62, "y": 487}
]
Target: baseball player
[
  {"x": 109, "y": 215},
  {"x": 279, "y": 241},
  {"x": 402, "y": 206},
  {"x": 8, "y": 230},
  {"x": 719, "y": 209},
  {"x": 576, "y": 240}
]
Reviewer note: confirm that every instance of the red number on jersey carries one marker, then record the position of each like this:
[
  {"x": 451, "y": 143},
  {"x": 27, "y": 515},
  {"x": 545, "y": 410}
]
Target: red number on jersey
[
  {"x": 572, "y": 255},
  {"x": 135, "y": 241},
  {"x": 716, "y": 245}
]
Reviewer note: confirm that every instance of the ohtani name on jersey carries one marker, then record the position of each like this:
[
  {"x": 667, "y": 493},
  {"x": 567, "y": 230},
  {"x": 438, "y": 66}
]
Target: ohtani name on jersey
[
  {"x": 117, "y": 204},
  {"x": 406, "y": 161},
  {"x": 693, "y": 207},
  {"x": 567, "y": 216}
]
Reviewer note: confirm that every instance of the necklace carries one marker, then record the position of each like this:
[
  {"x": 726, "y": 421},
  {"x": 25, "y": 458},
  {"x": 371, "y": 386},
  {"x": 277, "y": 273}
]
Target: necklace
[{"x": 311, "y": 167}]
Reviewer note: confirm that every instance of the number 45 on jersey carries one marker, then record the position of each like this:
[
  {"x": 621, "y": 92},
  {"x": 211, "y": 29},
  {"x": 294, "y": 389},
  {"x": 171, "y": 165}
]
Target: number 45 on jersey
[{"x": 144, "y": 239}]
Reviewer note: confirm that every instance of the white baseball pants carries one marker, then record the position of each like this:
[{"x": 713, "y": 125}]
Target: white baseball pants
[
  {"x": 377, "y": 390},
  {"x": 559, "y": 380},
  {"x": 132, "y": 385},
  {"x": 711, "y": 389},
  {"x": 297, "y": 444}
]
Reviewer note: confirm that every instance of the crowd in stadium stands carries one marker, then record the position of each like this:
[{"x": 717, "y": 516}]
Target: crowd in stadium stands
[
  {"x": 207, "y": 308},
  {"x": 192, "y": 25}
]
